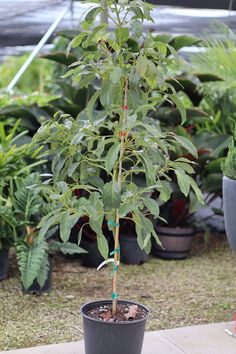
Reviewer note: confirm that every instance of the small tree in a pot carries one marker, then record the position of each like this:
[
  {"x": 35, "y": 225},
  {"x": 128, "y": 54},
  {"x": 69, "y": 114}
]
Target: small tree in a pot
[
  {"x": 92, "y": 152},
  {"x": 229, "y": 193}
]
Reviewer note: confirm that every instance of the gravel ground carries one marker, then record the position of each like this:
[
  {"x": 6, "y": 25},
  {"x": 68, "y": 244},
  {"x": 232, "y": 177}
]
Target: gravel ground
[{"x": 198, "y": 290}]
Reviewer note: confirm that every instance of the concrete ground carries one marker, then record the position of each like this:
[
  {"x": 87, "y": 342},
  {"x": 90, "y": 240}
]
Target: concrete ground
[{"x": 205, "y": 339}]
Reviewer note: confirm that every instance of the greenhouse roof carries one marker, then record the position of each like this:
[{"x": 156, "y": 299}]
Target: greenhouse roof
[{"x": 23, "y": 23}]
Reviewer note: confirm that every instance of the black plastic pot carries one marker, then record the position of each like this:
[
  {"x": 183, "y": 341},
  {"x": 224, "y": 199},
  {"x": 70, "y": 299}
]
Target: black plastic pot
[
  {"x": 102, "y": 337},
  {"x": 93, "y": 258},
  {"x": 176, "y": 242},
  {"x": 130, "y": 251},
  {"x": 4, "y": 256},
  {"x": 229, "y": 206},
  {"x": 37, "y": 289}
]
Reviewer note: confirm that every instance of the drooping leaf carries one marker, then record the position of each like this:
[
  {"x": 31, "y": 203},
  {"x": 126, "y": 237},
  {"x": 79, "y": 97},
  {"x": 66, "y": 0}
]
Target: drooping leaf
[{"x": 112, "y": 156}]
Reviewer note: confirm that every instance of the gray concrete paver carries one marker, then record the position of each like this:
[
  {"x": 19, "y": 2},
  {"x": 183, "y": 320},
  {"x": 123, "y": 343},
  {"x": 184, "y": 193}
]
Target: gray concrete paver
[{"x": 205, "y": 339}]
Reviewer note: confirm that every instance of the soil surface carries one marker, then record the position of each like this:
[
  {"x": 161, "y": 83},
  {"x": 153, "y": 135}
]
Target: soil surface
[
  {"x": 198, "y": 290},
  {"x": 125, "y": 313}
]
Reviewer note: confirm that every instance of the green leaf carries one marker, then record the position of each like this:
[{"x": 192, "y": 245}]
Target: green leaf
[
  {"x": 183, "y": 182},
  {"x": 78, "y": 40},
  {"x": 187, "y": 144},
  {"x": 122, "y": 35},
  {"x": 115, "y": 75},
  {"x": 179, "y": 42},
  {"x": 91, "y": 15},
  {"x": 165, "y": 191},
  {"x": 64, "y": 227},
  {"x": 103, "y": 245},
  {"x": 111, "y": 195},
  {"x": 66, "y": 248},
  {"x": 111, "y": 157},
  {"x": 67, "y": 221},
  {"x": 152, "y": 206},
  {"x": 180, "y": 106},
  {"x": 142, "y": 64},
  {"x": 127, "y": 207},
  {"x": 91, "y": 104}
]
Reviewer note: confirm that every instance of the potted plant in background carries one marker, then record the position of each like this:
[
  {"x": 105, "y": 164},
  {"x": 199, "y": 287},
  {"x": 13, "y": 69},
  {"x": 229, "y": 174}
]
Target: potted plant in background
[
  {"x": 33, "y": 253},
  {"x": 229, "y": 193},
  {"x": 13, "y": 165},
  {"x": 91, "y": 153}
]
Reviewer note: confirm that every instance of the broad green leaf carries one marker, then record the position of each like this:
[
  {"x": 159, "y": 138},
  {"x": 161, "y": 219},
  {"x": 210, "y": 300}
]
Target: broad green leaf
[
  {"x": 111, "y": 195},
  {"x": 165, "y": 191},
  {"x": 183, "y": 182},
  {"x": 127, "y": 207},
  {"x": 179, "y": 42},
  {"x": 142, "y": 64},
  {"x": 91, "y": 104},
  {"x": 103, "y": 246},
  {"x": 187, "y": 144},
  {"x": 180, "y": 106},
  {"x": 122, "y": 35},
  {"x": 91, "y": 15},
  {"x": 65, "y": 227},
  {"x": 152, "y": 206},
  {"x": 111, "y": 157},
  {"x": 115, "y": 75}
]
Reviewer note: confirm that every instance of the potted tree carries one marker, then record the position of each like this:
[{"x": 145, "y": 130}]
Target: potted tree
[
  {"x": 92, "y": 151},
  {"x": 229, "y": 192}
]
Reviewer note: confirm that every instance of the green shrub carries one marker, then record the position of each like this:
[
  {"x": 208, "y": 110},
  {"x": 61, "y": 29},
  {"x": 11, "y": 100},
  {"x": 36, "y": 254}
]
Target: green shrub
[{"x": 229, "y": 165}]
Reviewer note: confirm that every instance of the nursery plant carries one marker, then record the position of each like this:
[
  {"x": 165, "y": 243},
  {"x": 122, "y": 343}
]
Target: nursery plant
[
  {"x": 229, "y": 192},
  {"x": 33, "y": 252},
  {"x": 16, "y": 161},
  {"x": 103, "y": 151}
]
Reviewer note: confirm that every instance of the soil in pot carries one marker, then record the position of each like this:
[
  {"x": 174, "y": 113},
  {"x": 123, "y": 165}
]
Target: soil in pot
[
  {"x": 4, "y": 261},
  {"x": 122, "y": 334},
  {"x": 176, "y": 242}
]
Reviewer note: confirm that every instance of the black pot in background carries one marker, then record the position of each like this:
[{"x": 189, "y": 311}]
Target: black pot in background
[
  {"x": 229, "y": 206},
  {"x": 130, "y": 252},
  {"x": 176, "y": 242},
  {"x": 102, "y": 337},
  {"x": 93, "y": 258},
  {"x": 35, "y": 287},
  {"x": 4, "y": 261}
]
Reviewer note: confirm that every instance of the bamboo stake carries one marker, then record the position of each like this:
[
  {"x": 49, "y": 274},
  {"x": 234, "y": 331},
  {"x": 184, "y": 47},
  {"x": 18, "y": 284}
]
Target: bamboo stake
[{"x": 117, "y": 227}]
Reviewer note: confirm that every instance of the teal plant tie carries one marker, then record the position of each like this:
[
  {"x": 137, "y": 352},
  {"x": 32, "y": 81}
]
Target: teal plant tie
[
  {"x": 112, "y": 223},
  {"x": 116, "y": 250},
  {"x": 115, "y": 267},
  {"x": 114, "y": 296}
]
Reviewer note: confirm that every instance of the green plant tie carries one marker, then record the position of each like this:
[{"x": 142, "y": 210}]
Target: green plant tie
[
  {"x": 116, "y": 250},
  {"x": 112, "y": 223},
  {"x": 115, "y": 267},
  {"x": 114, "y": 296}
]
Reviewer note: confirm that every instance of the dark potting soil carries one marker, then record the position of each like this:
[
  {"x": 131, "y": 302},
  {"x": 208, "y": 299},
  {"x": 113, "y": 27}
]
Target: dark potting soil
[{"x": 125, "y": 313}]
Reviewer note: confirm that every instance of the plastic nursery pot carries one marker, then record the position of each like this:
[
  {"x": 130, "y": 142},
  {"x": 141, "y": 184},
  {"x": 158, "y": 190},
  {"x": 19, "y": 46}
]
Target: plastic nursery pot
[
  {"x": 229, "y": 207},
  {"x": 4, "y": 261},
  {"x": 176, "y": 242},
  {"x": 102, "y": 337},
  {"x": 36, "y": 289},
  {"x": 130, "y": 252},
  {"x": 93, "y": 258}
]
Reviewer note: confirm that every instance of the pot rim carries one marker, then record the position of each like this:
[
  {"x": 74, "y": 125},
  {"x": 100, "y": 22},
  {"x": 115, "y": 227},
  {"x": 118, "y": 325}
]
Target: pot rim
[
  {"x": 176, "y": 231},
  {"x": 228, "y": 178},
  {"x": 82, "y": 312}
]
